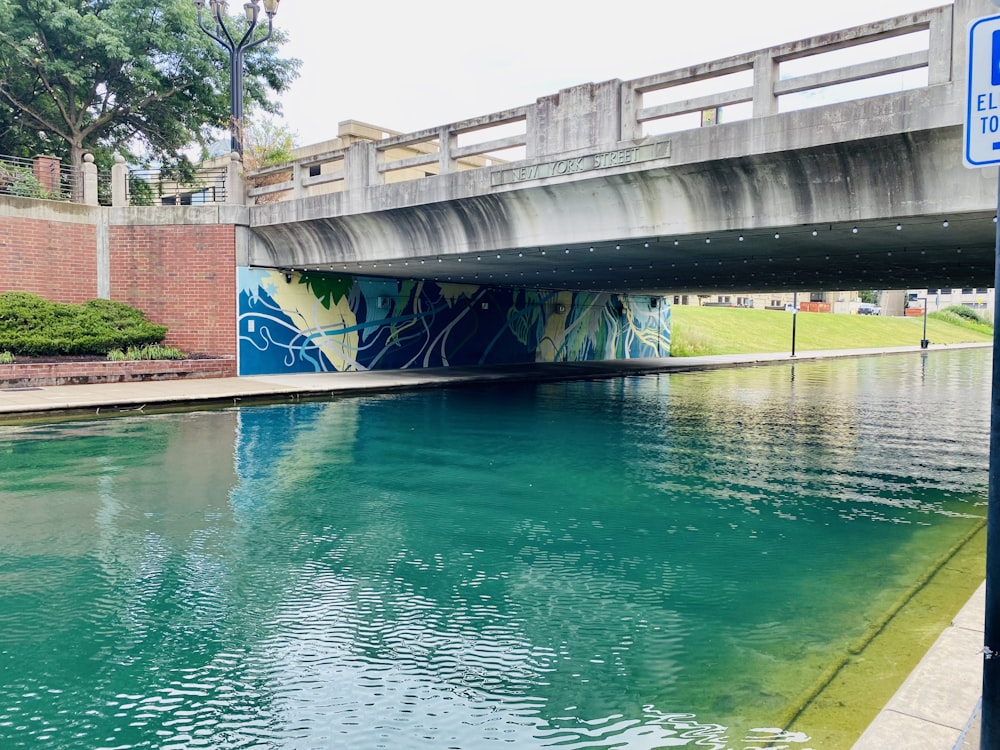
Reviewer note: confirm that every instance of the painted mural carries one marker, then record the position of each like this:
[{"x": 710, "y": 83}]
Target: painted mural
[{"x": 319, "y": 322}]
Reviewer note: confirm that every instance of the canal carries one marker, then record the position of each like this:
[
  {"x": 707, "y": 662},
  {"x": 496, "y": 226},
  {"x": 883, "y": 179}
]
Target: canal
[{"x": 661, "y": 561}]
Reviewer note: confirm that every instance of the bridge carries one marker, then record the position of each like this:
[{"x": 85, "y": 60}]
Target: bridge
[
  {"x": 738, "y": 174},
  {"x": 551, "y": 231}
]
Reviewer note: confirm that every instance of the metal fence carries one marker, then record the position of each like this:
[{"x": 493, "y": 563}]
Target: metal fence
[
  {"x": 104, "y": 190},
  {"x": 41, "y": 177},
  {"x": 162, "y": 187}
]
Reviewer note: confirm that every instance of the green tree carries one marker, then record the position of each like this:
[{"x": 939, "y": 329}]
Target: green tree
[
  {"x": 266, "y": 142},
  {"x": 135, "y": 76}
]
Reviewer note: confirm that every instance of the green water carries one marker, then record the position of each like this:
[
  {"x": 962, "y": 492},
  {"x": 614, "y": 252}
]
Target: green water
[{"x": 662, "y": 561}]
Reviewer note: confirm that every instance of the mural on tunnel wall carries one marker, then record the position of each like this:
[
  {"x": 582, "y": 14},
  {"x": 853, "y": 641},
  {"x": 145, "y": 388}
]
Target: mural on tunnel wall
[{"x": 324, "y": 322}]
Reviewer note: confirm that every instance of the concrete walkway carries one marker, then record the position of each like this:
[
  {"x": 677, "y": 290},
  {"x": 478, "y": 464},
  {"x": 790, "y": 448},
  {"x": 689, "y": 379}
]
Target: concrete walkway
[
  {"x": 934, "y": 709},
  {"x": 119, "y": 396}
]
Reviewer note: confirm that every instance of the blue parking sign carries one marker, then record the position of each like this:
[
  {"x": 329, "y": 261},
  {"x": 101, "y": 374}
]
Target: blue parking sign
[
  {"x": 995, "y": 66},
  {"x": 982, "y": 111}
]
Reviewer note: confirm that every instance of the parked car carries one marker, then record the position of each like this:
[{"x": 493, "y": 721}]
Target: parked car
[{"x": 867, "y": 308}]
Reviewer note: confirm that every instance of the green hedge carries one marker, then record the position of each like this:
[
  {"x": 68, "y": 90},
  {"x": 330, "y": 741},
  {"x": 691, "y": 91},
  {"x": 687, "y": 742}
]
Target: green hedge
[
  {"x": 32, "y": 326},
  {"x": 960, "y": 315},
  {"x": 964, "y": 312}
]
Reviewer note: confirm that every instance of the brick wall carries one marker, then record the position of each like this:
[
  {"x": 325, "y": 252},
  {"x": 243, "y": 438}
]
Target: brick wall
[
  {"x": 74, "y": 373},
  {"x": 183, "y": 277},
  {"x": 54, "y": 259}
]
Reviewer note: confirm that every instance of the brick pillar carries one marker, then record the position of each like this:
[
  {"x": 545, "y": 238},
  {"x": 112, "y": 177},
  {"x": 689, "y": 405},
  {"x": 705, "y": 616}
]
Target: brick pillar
[{"x": 46, "y": 171}]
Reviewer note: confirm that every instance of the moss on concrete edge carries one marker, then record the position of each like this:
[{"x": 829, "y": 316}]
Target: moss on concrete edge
[{"x": 848, "y": 696}]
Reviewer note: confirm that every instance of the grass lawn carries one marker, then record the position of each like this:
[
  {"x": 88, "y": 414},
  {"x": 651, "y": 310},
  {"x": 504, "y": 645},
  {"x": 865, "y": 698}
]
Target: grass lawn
[{"x": 699, "y": 331}]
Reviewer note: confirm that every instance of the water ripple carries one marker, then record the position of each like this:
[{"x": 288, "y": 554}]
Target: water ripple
[{"x": 621, "y": 564}]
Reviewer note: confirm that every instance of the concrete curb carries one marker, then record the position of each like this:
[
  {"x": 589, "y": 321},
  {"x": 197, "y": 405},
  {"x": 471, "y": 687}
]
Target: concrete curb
[
  {"x": 247, "y": 389},
  {"x": 935, "y": 706}
]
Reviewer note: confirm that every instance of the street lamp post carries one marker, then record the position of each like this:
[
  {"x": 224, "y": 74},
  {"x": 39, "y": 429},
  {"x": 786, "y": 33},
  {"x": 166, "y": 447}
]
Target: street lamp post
[
  {"x": 236, "y": 50},
  {"x": 924, "y": 342},
  {"x": 795, "y": 314}
]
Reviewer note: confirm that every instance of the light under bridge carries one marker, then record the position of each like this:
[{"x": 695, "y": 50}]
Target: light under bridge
[{"x": 720, "y": 176}]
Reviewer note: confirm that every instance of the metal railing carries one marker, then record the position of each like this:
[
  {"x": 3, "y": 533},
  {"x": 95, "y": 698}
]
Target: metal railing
[
  {"x": 41, "y": 177},
  {"x": 104, "y": 190},
  {"x": 164, "y": 187}
]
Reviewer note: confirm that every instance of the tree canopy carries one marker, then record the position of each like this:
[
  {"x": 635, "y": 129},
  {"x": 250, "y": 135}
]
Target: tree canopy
[{"x": 134, "y": 76}]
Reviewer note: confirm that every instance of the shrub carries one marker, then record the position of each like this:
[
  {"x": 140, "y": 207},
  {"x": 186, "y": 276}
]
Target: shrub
[
  {"x": 140, "y": 191},
  {"x": 959, "y": 315},
  {"x": 149, "y": 351},
  {"x": 21, "y": 181},
  {"x": 30, "y": 325},
  {"x": 6, "y": 358},
  {"x": 964, "y": 312},
  {"x": 684, "y": 343}
]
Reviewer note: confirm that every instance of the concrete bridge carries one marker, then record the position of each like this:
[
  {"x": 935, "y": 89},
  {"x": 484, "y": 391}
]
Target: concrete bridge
[
  {"x": 747, "y": 173},
  {"x": 551, "y": 232}
]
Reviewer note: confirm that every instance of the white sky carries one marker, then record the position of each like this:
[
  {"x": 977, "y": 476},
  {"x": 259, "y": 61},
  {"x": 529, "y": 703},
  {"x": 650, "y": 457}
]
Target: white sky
[{"x": 409, "y": 65}]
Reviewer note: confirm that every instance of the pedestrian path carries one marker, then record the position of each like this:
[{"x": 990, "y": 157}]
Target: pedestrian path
[
  {"x": 934, "y": 709},
  {"x": 149, "y": 394}
]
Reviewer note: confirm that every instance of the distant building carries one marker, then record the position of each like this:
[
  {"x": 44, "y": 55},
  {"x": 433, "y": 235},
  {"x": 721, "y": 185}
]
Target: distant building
[
  {"x": 270, "y": 184},
  {"x": 844, "y": 303},
  {"x": 326, "y": 175},
  {"x": 980, "y": 300}
]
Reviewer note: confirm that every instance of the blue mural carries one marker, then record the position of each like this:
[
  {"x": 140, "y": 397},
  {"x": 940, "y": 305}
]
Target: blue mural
[{"x": 320, "y": 322}]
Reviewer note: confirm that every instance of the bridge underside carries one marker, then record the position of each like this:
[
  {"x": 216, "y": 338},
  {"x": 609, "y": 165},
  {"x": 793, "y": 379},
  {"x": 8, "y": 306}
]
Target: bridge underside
[
  {"x": 921, "y": 253},
  {"x": 893, "y": 212}
]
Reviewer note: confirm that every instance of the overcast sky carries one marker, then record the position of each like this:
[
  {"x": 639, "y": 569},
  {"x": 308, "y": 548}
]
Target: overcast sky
[{"x": 408, "y": 65}]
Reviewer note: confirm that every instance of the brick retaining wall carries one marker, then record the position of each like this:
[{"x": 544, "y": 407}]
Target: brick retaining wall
[
  {"x": 182, "y": 276},
  {"x": 56, "y": 260},
  {"x": 33, "y": 375},
  {"x": 176, "y": 264}
]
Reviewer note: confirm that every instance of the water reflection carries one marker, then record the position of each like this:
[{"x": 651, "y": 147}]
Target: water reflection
[{"x": 648, "y": 562}]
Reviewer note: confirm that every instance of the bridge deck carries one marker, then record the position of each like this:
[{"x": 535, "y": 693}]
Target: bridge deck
[{"x": 743, "y": 174}]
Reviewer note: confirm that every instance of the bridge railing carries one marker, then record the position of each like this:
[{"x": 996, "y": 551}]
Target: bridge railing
[
  {"x": 298, "y": 178},
  {"x": 397, "y": 157},
  {"x": 763, "y": 79},
  {"x": 873, "y": 58},
  {"x": 441, "y": 151}
]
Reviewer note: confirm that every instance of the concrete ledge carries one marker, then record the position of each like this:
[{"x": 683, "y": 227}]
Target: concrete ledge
[
  {"x": 933, "y": 706},
  {"x": 35, "y": 375},
  {"x": 208, "y": 388}
]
